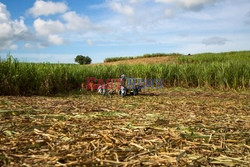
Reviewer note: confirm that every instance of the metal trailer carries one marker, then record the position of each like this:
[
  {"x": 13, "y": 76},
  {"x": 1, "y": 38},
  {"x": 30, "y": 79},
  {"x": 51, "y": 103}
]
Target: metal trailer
[
  {"x": 124, "y": 89},
  {"x": 131, "y": 88}
]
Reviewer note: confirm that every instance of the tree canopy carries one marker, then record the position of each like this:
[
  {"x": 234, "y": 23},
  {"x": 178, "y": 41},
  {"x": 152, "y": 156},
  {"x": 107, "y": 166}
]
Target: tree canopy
[{"x": 83, "y": 59}]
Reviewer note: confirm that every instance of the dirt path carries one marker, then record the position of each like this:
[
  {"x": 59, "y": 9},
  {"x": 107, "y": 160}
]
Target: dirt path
[{"x": 167, "y": 127}]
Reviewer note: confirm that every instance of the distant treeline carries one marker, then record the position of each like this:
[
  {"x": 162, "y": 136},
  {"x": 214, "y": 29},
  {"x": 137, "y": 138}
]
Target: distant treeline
[{"x": 113, "y": 59}]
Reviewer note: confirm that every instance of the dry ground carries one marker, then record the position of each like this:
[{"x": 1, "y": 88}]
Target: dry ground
[
  {"x": 147, "y": 60},
  {"x": 170, "y": 127}
]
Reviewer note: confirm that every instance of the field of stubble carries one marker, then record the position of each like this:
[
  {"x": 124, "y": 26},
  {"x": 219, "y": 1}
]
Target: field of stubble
[{"x": 170, "y": 127}]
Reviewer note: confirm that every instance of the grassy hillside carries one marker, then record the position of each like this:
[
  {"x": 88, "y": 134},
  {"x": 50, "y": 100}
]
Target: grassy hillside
[
  {"x": 153, "y": 55},
  {"x": 143, "y": 60},
  {"x": 229, "y": 70},
  {"x": 239, "y": 57}
]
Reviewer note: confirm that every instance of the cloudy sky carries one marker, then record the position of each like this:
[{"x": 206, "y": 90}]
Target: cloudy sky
[{"x": 58, "y": 30}]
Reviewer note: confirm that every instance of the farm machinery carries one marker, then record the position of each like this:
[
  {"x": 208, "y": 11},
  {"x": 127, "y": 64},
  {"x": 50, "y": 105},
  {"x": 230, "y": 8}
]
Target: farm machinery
[{"x": 123, "y": 87}]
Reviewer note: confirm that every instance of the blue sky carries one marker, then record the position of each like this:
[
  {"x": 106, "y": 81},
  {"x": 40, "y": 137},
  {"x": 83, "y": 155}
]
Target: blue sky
[{"x": 57, "y": 31}]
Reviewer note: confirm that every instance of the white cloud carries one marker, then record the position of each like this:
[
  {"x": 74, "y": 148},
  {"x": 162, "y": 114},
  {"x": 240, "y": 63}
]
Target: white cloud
[
  {"x": 76, "y": 22},
  {"x": 196, "y": 4},
  {"x": 50, "y": 31},
  {"x": 48, "y": 27},
  {"x": 121, "y": 8},
  {"x": 47, "y": 8},
  {"x": 55, "y": 39},
  {"x": 47, "y": 32},
  {"x": 4, "y": 13},
  {"x": 10, "y": 30},
  {"x": 248, "y": 14},
  {"x": 7, "y": 44},
  {"x": 42, "y": 45},
  {"x": 89, "y": 42},
  {"x": 215, "y": 41},
  {"x": 27, "y": 45},
  {"x": 6, "y": 30},
  {"x": 13, "y": 47},
  {"x": 19, "y": 27},
  {"x": 189, "y": 4},
  {"x": 247, "y": 19},
  {"x": 134, "y": 1},
  {"x": 168, "y": 13},
  {"x": 164, "y": 1}
]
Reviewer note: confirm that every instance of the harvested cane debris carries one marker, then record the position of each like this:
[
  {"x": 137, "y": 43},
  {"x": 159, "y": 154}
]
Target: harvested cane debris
[{"x": 168, "y": 128}]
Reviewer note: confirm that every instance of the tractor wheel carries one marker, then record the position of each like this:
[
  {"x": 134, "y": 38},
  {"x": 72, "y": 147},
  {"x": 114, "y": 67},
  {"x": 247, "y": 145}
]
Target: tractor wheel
[
  {"x": 123, "y": 92},
  {"x": 135, "y": 91}
]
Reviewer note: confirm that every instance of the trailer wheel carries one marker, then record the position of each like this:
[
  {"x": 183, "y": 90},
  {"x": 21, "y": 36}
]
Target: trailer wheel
[
  {"x": 123, "y": 92},
  {"x": 135, "y": 91}
]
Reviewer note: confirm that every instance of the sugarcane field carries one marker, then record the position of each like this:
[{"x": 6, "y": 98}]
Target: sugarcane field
[
  {"x": 170, "y": 121},
  {"x": 125, "y": 83}
]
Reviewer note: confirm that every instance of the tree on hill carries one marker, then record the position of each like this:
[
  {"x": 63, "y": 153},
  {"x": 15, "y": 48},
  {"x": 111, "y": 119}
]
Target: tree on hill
[{"x": 83, "y": 59}]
